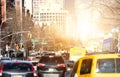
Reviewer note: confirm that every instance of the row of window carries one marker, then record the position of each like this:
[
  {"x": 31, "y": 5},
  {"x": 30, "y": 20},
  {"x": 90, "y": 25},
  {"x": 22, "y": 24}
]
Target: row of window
[
  {"x": 57, "y": 14},
  {"x": 51, "y": 14},
  {"x": 103, "y": 66},
  {"x": 57, "y": 17},
  {"x": 49, "y": 18}
]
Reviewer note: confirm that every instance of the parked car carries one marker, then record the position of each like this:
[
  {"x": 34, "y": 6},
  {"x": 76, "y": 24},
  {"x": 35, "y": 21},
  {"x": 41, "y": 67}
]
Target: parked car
[
  {"x": 51, "y": 66},
  {"x": 16, "y": 68},
  {"x": 99, "y": 65}
]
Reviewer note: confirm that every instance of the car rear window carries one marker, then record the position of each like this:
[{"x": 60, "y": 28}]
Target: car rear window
[
  {"x": 108, "y": 65},
  {"x": 51, "y": 59},
  {"x": 26, "y": 67}
]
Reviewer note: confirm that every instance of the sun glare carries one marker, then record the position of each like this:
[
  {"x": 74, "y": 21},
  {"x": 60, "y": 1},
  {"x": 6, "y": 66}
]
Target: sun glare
[{"x": 87, "y": 27}]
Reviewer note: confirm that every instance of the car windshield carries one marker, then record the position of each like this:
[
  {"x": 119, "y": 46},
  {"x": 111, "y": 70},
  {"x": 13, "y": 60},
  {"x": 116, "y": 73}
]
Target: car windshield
[
  {"x": 17, "y": 67},
  {"x": 49, "y": 59},
  {"x": 108, "y": 65}
]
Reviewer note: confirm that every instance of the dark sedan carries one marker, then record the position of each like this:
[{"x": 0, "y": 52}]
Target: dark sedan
[
  {"x": 51, "y": 66},
  {"x": 16, "y": 68}
]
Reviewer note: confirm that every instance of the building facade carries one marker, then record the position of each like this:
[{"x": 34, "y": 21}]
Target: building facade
[{"x": 47, "y": 12}]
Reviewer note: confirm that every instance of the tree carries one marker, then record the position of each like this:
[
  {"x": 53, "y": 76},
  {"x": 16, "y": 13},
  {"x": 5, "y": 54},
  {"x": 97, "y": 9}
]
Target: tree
[{"x": 0, "y": 14}]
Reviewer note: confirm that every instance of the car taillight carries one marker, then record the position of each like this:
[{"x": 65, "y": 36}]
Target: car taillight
[
  {"x": 1, "y": 69},
  {"x": 118, "y": 55},
  {"x": 40, "y": 64},
  {"x": 32, "y": 68},
  {"x": 61, "y": 65}
]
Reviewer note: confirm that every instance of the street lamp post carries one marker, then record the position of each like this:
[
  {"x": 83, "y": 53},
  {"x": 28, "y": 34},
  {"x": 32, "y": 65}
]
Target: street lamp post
[{"x": 18, "y": 7}]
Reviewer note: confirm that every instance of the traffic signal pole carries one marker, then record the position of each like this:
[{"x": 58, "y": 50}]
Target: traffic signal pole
[{"x": 18, "y": 7}]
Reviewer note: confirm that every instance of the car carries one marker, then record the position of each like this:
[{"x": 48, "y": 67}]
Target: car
[
  {"x": 34, "y": 53},
  {"x": 34, "y": 62},
  {"x": 19, "y": 55},
  {"x": 51, "y": 66},
  {"x": 97, "y": 65},
  {"x": 31, "y": 57},
  {"x": 5, "y": 58},
  {"x": 69, "y": 65},
  {"x": 47, "y": 53},
  {"x": 16, "y": 68}
]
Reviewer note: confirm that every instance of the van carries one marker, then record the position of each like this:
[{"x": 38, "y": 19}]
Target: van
[{"x": 98, "y": 65}]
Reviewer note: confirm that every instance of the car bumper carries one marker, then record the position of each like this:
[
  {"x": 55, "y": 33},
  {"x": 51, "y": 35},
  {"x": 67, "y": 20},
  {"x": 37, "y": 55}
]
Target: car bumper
[{"x": 51, "y": 74}]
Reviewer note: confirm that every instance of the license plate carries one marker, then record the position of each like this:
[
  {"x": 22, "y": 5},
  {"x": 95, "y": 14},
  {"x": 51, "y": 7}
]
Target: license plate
[
  {"x": 17, "y": 76},
  {"x": 51, "y": 75},
  {"x": 51, "y": 70}
]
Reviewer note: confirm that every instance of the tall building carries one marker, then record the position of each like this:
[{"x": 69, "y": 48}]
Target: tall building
[
  {"x": 59, "y": 3},
  {"x": 49, "y": 12},
  {"x": 28, "y": 4},
  {"x": 70, "y": 5},
  {"x": 71, "y": 22}
]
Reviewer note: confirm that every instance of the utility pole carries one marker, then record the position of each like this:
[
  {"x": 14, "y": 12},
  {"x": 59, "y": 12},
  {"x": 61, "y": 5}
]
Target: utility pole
[
  {"x": 18, "y": 7},
  {"x": 118, "y": 39}
]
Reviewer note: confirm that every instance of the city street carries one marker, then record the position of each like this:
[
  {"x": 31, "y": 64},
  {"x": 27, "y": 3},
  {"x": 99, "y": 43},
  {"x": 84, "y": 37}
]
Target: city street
[{"x": 56, "y": 33}]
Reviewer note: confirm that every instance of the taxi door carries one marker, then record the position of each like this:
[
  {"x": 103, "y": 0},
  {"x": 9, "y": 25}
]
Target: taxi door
[{"x": 85, "y": 67}]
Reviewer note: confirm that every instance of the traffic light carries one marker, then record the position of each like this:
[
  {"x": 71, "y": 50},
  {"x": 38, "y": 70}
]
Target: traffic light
[{"x": 16, "y": 47}]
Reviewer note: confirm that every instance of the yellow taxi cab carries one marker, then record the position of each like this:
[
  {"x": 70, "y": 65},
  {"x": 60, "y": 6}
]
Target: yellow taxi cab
[{"x": 99, "y": 65}]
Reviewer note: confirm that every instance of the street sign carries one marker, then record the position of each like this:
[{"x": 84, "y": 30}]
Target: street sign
[
  {"x": 35, "y": 40},
  {"x": 43, "y": 43}
]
